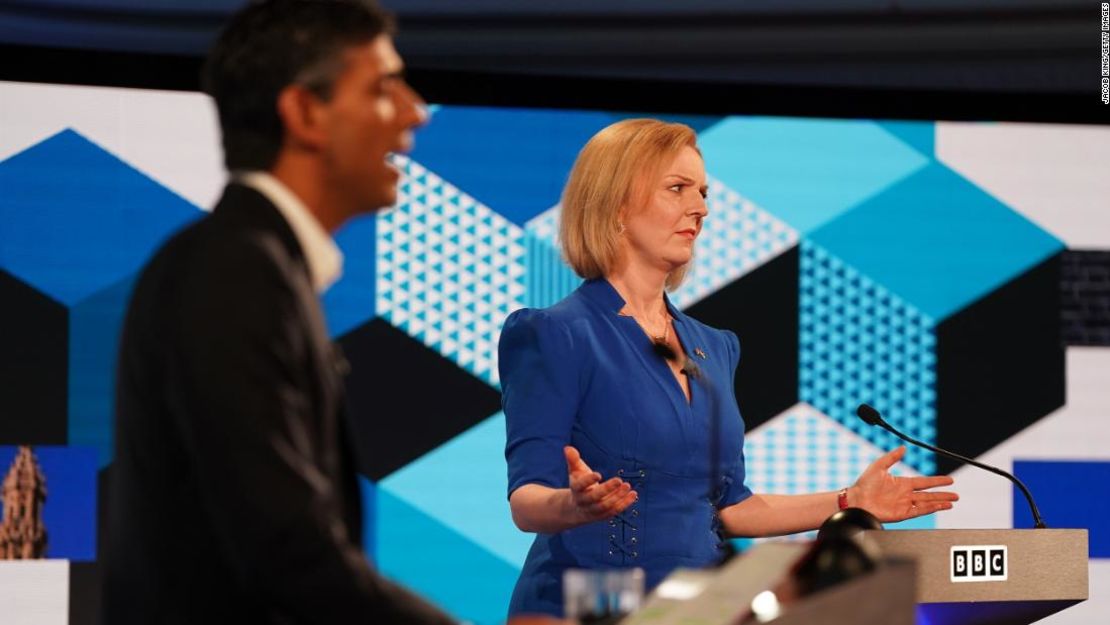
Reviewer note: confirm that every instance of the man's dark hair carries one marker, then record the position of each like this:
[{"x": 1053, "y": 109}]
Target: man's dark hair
[{"x": 270, "y": 45}]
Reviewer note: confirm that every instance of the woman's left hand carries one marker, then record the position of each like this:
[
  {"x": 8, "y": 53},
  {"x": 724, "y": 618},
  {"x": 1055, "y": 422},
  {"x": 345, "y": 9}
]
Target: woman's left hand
[{"x": 892, "y": 498}]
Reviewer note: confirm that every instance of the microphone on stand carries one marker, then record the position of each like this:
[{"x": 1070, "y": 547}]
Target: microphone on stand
[{"x": 870, "y": 416}]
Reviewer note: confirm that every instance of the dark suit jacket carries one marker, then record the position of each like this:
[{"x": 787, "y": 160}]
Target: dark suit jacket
[{"x": 233, "y": 496}]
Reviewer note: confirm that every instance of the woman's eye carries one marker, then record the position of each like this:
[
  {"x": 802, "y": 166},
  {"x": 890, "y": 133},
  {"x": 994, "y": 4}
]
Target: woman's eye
[{"x": 677, "y": 188}]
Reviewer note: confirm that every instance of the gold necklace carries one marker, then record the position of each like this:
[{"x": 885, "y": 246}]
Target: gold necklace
[
  {"x": 656, "y": 337},
  {"x": 659, "y": 344}
]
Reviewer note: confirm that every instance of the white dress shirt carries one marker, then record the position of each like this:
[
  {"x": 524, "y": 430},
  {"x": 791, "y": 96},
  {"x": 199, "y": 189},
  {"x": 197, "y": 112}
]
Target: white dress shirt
[{"x": 325, "y": 261}]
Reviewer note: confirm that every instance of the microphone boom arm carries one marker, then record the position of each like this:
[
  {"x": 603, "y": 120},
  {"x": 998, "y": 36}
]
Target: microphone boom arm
[{"x": 875, "y": 419}]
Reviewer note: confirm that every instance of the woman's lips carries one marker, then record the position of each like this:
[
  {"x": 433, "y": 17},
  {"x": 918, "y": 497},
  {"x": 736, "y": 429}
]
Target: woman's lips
[{"x": 691, "y": 234}]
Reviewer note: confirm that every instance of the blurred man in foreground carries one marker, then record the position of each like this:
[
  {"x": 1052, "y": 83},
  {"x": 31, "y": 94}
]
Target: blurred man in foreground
[{"x": 233, "y": 495}]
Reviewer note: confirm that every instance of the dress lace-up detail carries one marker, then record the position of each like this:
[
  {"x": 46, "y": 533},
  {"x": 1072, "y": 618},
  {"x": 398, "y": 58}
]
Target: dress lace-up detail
[{"x": 625, "y": 538}]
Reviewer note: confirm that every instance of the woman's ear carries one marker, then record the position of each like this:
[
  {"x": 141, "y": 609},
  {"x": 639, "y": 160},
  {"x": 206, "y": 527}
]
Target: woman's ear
[
  {"x": 621, "y": 215},
  {"x": 623, "y": 212},
  {"x": 303, "y": 115}
]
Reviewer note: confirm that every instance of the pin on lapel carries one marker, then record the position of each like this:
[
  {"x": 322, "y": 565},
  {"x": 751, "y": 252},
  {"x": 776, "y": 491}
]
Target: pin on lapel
[{"x": 699, "y": 353}]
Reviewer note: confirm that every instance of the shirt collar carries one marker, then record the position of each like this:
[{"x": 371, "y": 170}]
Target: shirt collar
[
  {"x": 604, "y": 294},
  {"x": 325, "y": 261}
]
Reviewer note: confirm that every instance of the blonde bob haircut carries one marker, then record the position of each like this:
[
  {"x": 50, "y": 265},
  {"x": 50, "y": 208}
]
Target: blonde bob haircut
[{"x": 613, "y": 171}]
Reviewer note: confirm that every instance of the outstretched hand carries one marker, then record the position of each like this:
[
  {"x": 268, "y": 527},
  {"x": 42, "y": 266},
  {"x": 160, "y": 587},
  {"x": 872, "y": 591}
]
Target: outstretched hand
[
  {"x": 892, "y": 498},
  {"x": 593, "y": 499}
]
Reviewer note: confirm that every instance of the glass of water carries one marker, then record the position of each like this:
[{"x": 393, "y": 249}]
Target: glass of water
[{"x": 594, "y": 596}]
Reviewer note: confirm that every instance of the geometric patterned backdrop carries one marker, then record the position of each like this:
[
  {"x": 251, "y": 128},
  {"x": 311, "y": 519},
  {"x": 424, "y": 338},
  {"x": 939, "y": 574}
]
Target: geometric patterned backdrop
[{"x": 954, "y": 275}]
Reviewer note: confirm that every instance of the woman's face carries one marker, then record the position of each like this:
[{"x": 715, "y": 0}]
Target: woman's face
[{"x": 661, "y": 232}]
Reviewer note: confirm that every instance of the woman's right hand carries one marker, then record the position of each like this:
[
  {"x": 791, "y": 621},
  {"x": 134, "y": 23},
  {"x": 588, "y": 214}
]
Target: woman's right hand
[{"x": 593, "y": 499}]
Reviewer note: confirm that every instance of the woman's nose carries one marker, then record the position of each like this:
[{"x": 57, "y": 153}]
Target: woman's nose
[{"x": 699, "y": 208}]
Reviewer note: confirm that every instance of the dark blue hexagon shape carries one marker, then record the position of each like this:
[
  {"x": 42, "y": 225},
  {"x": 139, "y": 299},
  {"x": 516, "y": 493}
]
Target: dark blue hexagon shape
[
  {"x": 515, "y": 161},
  {"x": 77, "y": 219},
  {"x": 78, "y": 224},
  {"x": 350, "y": 301}
]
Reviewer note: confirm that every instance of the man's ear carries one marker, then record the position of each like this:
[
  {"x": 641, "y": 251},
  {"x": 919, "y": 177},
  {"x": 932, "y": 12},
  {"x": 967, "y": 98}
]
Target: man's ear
[{"x": 303, "y": 114}]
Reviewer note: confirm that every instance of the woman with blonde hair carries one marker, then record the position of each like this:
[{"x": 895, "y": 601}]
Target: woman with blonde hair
[{"x": 611, "y": 395}]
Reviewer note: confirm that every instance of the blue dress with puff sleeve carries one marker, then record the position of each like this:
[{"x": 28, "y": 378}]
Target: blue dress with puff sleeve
[{"x": 579, "y": 373}]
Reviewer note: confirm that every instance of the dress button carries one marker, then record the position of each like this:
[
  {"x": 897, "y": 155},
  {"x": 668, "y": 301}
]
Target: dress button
[
  {"x": 612, "y": 537},
  {"x": 642, "y": 473},
  {"x": 610, "y": 552},
  {"x": 612, "y": 522},
  {"x": 635, "y": 554},
  {"x": 634, "y": 540},
  {"x": 620, "y": 471},
  {"x": 635, "y": 513}
]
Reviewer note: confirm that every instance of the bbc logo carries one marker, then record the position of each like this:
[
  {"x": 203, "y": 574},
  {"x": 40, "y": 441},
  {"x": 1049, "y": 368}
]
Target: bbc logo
[{"x": 978, "y": 563}]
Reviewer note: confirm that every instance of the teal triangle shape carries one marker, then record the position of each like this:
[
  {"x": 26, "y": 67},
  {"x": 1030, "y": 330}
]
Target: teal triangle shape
[
  {"x": 426, "y": 556},
  {"x": 917, "y": 134}
]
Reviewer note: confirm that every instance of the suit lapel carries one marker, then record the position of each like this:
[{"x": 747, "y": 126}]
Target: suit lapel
[
  {"x": 328, "y": 365},
  {"x": 255, "y": 212}
]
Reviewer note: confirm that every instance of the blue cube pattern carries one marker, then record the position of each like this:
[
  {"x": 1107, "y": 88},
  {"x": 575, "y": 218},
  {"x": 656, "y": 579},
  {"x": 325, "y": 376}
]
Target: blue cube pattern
[
  {"x": 860, "y": 343},
  {"x": 450, "y": 270}
]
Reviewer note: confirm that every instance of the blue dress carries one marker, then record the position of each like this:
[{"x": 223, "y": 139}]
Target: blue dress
[{"x": 579, "y": 373}]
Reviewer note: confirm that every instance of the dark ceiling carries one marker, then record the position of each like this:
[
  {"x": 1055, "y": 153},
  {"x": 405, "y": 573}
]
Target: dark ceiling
[{"x": 1013, "y": 54}]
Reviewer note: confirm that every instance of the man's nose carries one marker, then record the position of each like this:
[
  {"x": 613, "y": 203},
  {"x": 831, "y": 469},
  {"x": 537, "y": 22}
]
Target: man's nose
[{"x": 416, "y": 108}]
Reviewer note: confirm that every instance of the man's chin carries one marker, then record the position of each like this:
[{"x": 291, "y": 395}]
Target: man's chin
[
  {"x": 387, "y": 188},
  {"x": 382, "y": 200}
]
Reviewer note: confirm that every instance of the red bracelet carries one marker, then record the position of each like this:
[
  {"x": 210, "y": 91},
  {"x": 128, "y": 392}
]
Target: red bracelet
[{"x": 842, "y": 499}]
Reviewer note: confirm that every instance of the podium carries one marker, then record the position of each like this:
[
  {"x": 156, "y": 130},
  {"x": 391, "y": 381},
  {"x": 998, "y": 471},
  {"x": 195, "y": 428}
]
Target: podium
[
  {"x": 727, "y": 595},
  {"x": 1035, "y": 572},
  {"x": 938, "y": 577}
]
